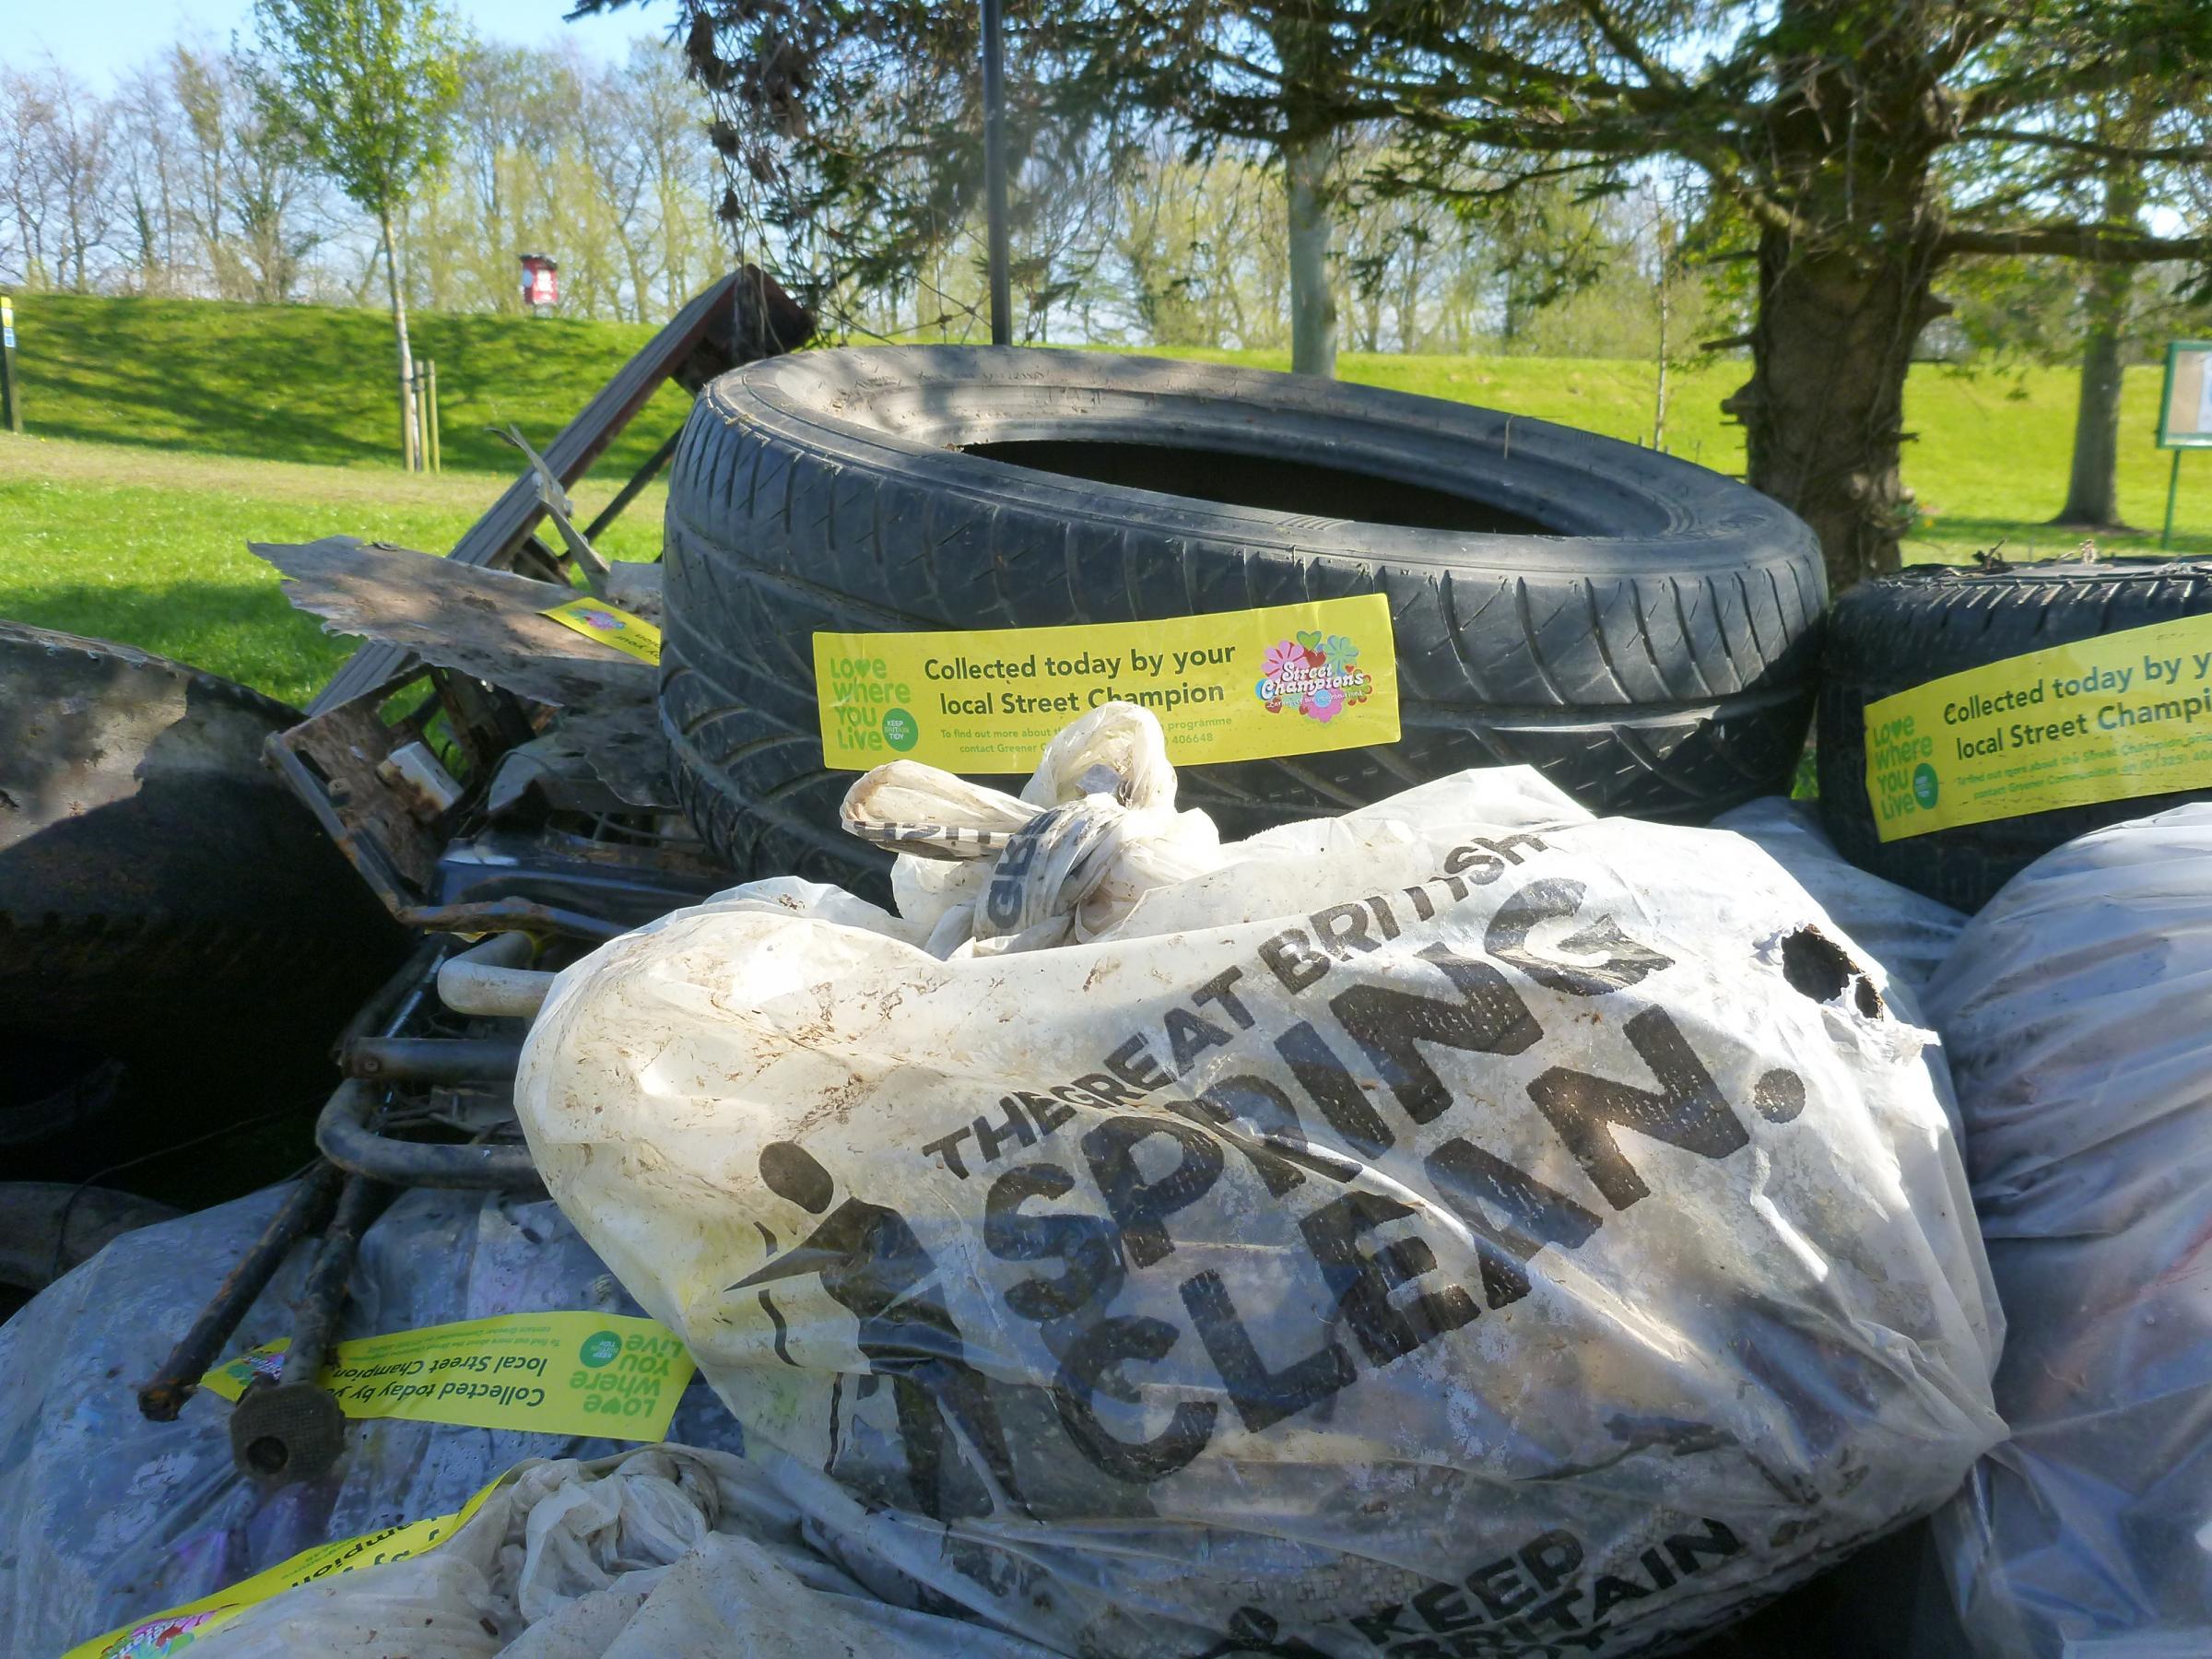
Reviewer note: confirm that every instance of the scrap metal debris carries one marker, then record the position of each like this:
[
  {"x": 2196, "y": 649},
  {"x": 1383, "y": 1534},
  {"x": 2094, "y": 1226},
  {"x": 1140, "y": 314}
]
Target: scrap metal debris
[{"x": 484, "y": 623}]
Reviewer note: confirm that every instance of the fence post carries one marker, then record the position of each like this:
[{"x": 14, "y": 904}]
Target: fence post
[
  {"x": 437, "y": 460},
  {"x": 8, "y": 394}
]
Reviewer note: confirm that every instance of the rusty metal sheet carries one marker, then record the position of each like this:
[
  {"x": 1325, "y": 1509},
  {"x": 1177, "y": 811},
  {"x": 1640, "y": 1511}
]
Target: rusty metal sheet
[
  {"x": 479, "y": 623},
  {"x": 604, "y": 759},
  {"x": 621, "y": 739},
  {"x": 331, "y": 762}
]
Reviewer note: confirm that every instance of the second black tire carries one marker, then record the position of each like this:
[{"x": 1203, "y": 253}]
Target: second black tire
[
  {"x": 1893, "y": 632},
  {"x": 1640, "y": 630},
  {"x": 164, "y": 901}
]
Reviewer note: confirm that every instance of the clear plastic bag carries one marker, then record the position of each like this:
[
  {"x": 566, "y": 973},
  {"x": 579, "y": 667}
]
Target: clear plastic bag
[
  {"x": 1460, "y": 1226},
  {"x": 1908, "y": 933},
  {"x": 656, "y": 1552},
  {"x": 2078, "y": 1012},
  {"x": 106, "y": 1518}
]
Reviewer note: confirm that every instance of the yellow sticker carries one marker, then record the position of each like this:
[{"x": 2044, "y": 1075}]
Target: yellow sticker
[
  {"x": 594, "y": 619},
  {"x": 2100, "y": 720},
  {"x": 603, "y": 1374},
  {"x": 176, "y": 1629},
  {"x": 1289, "y": 679}
]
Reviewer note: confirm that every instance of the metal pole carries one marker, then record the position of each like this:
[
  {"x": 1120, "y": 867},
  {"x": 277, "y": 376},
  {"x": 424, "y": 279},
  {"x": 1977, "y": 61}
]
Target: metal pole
[
  {"x": 295, "y": 1430},
  {"x": 305, "y": 1210},
  {"x": 2173, "y": 483},
  {"x": 994, "y": 170},
  {"x": 629, "y": 492},
  {"x": 8, "y": 394}
]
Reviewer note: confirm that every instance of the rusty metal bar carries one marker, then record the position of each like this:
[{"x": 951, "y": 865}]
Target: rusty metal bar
[
  {"x": 509, "y": 915},
  {"x": 739, "y": 318},
  {"x": 294, "y": 1428},
  {"x": 629, "y": 492},
  {"x": 308, "y": 1208}
]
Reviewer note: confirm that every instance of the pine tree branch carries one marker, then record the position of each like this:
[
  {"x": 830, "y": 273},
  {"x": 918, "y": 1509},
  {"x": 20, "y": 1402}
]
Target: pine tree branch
[
  {"x": 2192, "y": 155},
  {"x": 2096, "y": 243}
]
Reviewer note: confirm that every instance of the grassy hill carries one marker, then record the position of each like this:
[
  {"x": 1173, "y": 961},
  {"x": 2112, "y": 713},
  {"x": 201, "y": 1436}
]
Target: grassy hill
[
  {"x": 166, "y": 432},
  {"x": 312, "y": 383}
]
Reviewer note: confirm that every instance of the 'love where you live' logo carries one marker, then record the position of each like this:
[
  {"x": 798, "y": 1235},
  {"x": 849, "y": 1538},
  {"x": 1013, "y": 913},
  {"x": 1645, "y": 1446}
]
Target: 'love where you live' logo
[{"x": 1315, "y": 676}]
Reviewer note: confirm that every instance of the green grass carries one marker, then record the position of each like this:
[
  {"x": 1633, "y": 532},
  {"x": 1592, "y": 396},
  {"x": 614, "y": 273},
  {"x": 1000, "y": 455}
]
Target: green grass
[
  {"x": 150, "y": 548},
  {"x": 165, "y": 433},
  {"x": 1988, "y": 462},
  {"x": 312, "y": 383}
]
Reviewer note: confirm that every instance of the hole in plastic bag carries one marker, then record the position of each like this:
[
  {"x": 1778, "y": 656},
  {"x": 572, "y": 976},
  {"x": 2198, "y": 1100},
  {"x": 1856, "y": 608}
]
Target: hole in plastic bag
[{"x": 1816, "y": 966}]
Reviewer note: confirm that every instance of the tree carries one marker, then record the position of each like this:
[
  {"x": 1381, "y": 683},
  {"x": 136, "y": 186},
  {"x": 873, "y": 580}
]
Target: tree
[
  {"x": 1856, "y": 136},
  {"x": 2093, "y": 480},
  {"x": 854, "y": 130},
  {"x": 26, "y": 115},
  {"x": 242, "y": 187},
  {"x": 2139, "y": 129},
  {"x": 368, "y": 87}
]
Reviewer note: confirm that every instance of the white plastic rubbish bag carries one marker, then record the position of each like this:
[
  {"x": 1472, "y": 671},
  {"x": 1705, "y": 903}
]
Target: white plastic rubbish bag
[
  {"x": 2077, "y": 1009},
  {"x": 651, "y": 1554},
  {"x": 1410, "y": 1232},
  {"x": 1906, "y": 933}
]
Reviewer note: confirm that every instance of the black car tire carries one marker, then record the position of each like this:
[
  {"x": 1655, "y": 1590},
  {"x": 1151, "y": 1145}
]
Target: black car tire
[
  {"x": 1893, "y": 632},
  {"x": 1640, "y": 630},
  {"x": 163, "y": 898}
]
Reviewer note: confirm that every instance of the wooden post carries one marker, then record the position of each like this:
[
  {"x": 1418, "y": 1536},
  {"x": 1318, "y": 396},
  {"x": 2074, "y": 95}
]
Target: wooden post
[
  {"x": 8, "y": 394},
  {"x": 431, "y": 399}
]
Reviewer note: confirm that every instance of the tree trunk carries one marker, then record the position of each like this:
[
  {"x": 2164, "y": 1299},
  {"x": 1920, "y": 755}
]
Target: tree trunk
[
  {"x": 2093, "y": 487},
  {"x": 1313, "y": 301},
  {"x": 409, "y": 428},
  {"x": 1824, "y": 411}
]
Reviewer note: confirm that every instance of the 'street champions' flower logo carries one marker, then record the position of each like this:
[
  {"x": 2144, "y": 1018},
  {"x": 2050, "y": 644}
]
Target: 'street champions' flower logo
[{"x": 1318, "y": 677}]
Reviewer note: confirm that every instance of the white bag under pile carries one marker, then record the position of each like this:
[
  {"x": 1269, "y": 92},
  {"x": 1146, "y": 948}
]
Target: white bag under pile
[{"x": 1460, "y": 1226}]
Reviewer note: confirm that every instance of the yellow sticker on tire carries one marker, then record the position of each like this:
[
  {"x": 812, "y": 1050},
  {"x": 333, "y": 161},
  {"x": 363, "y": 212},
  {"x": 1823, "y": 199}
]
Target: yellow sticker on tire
[
  {"x": 1285, "y": 679},
  {"x": 2107, "y": 719}
]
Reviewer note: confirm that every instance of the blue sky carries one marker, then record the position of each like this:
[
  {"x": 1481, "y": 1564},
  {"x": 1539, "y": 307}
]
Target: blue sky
[{"x": 97, "y": 40}]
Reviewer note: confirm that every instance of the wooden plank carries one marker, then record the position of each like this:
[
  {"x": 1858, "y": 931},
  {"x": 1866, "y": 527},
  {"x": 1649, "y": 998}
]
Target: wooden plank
[{"x": 742, "y": 317}]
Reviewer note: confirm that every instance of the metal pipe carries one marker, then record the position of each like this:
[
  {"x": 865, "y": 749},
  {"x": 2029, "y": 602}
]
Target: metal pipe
[
  {"x": 308, "y": 1208},
  {"x": 629, "y": 492},
  {"x": 359, "y": 1205},
  {"x": 346, "y": 1140},
  {"x": 994, "y": 170},
  {"x": 431, "y": 1059},
  {"x": 295, "y": 1430},
  {"x": 397, "y": 998},
  {"x": 493, "y": 979}
]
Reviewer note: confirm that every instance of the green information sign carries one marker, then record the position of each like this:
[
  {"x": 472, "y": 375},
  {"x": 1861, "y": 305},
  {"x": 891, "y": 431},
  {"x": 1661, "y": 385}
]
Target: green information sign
[{"x": 2184, "y": 411}]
